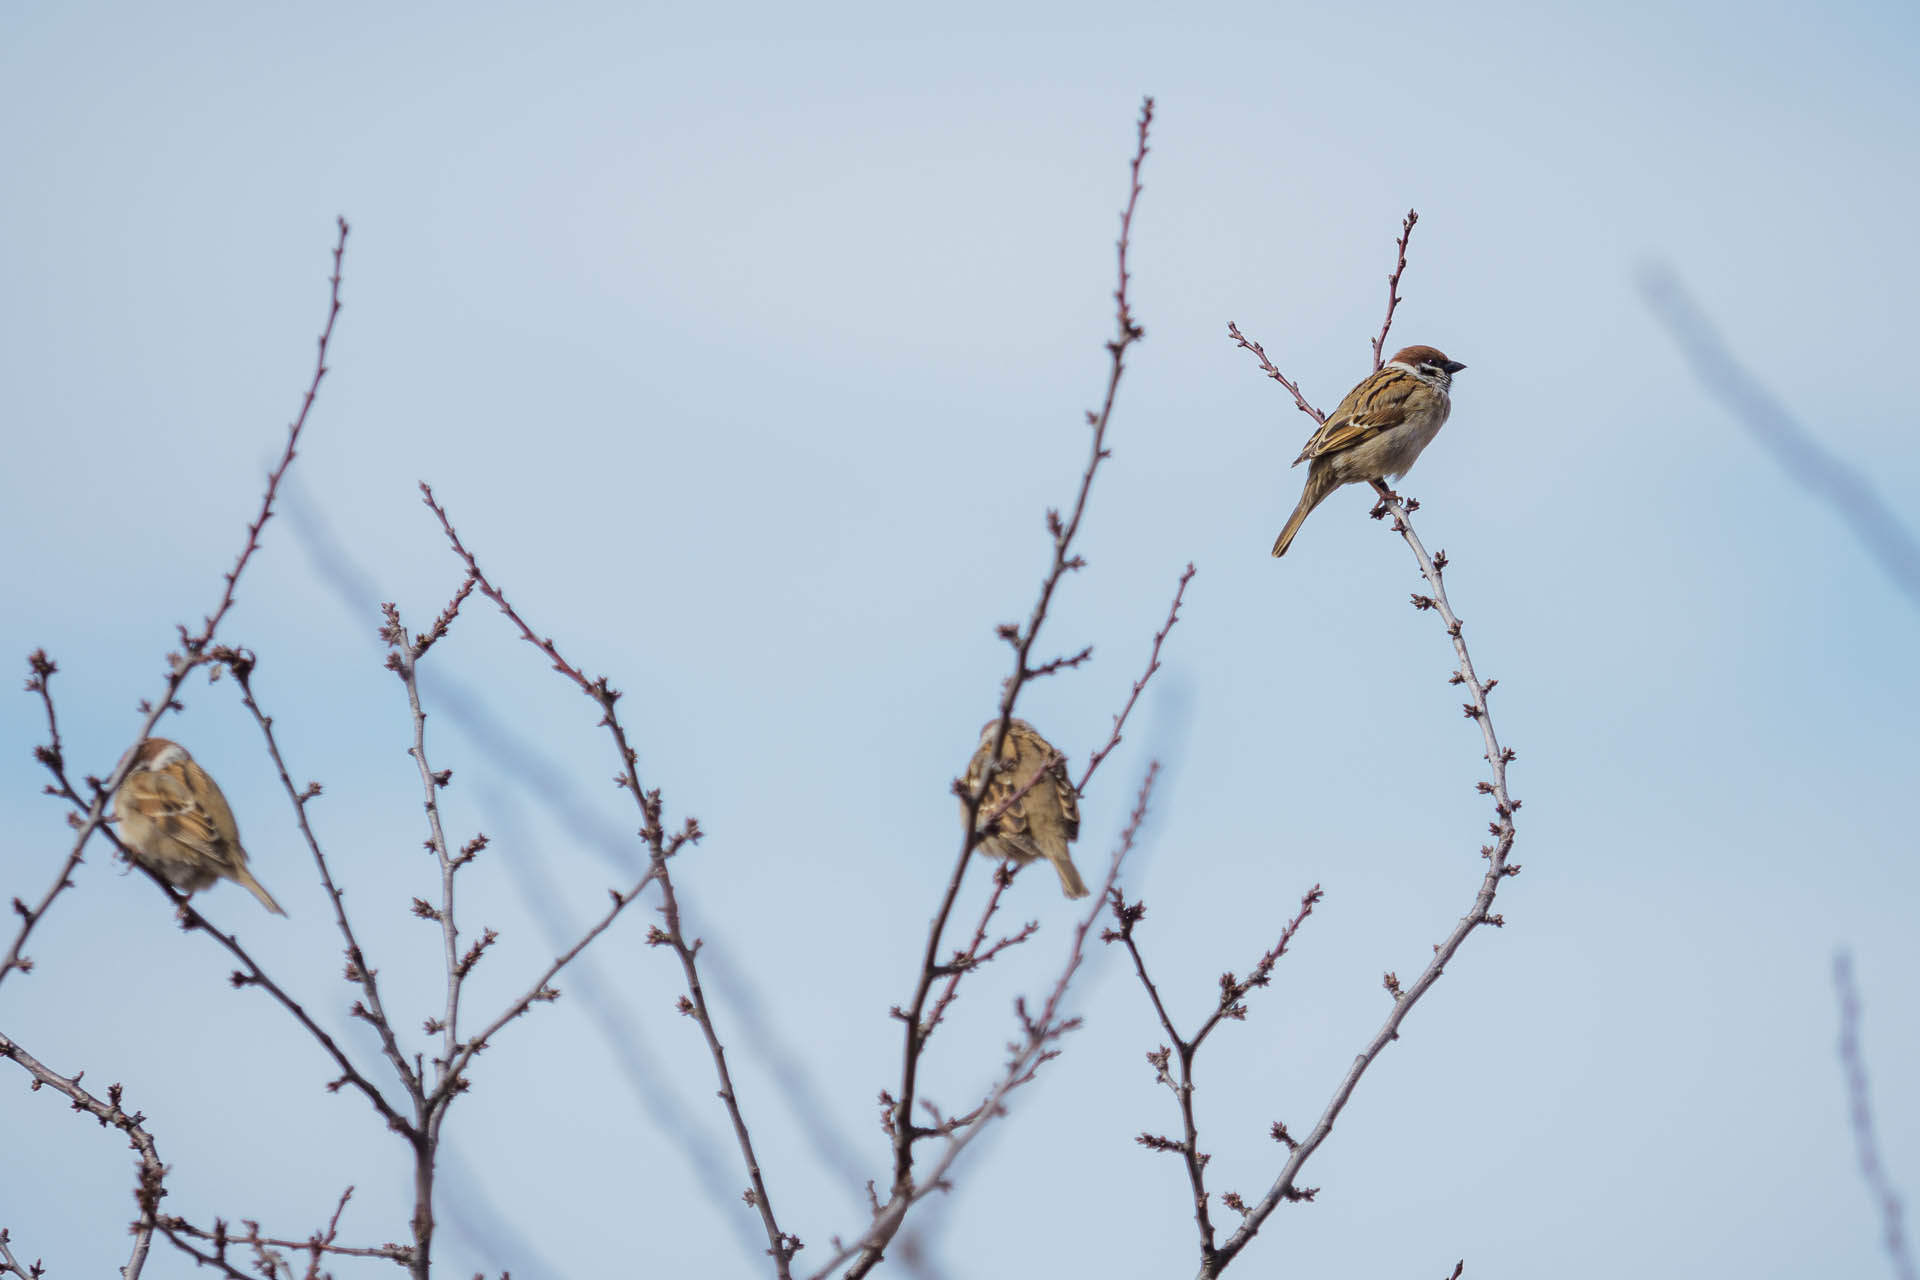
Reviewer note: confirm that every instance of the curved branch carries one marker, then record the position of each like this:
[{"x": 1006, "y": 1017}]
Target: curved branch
[
  {"x": 150, "y": 1186},
  {"x": 1480, "y": 913}
]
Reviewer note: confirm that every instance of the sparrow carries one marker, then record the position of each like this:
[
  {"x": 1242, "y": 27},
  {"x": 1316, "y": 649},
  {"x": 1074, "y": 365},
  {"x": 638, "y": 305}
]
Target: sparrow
[
  {"x": 1041, "y": 823},
  {"x": 174, "y": 819},
  {"x": 1378, "y": 430}
]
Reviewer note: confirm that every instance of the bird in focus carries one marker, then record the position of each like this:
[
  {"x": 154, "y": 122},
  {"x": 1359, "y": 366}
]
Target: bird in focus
[
  {"x": 174, "y": 820},
  {"x": 1041, "y": 823},
  {"x": 1378, "y": 430}
]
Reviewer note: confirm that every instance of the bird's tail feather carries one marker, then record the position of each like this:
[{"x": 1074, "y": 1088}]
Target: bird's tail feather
[
  {"x": 244, "y": 878},
  {"x": 1070, "y": 882},
  {"x": 1319, "y": 485}
]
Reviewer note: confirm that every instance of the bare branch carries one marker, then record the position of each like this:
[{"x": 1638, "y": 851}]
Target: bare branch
[
  {"x": 196, "y": 644},
  {"x": 41, "y": 670},
  {"x": 179, "y": 665},
  {"x": 977, "y": 951},
  {"x": 1153, "y": 664},
  {"x": 1027, "y": 1055},
  {"x": 1853, "y": 1064},
  {"x": 1393, "y": 289},
  {"x": 1285, "y": 1187},
  {"x": 782, "y": 1245},
  {"x": 1272, "y": 371},
  {"x": 358, "y": 971},
  {"x": 11, "y": 1265},
  {"x": 1797, "y": 450},
  {"x": 904, "y": 1192},
  {"x": 322, "y": 1244},
  {"x": 1480, "y": 913},
  {"x": 1183, "y": 1051},
  {"x": 151, "y": 1175}
]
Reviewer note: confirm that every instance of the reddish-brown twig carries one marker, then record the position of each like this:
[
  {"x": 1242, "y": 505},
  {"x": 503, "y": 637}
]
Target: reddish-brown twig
[
  {"x": 195, "y": 644},
  {"x": 1027, "y": 1055},
  {"x": 661, "y": 847},
  {"x": 180, "y": 665},
  {"x": 973, "y": 957},
  {"x": 241, "y": 664},
  {"x": 1182, "y": 1050},
  {"x": 1272, "y": 371},
  {"x": 321, "y": 1244},
  {"x": 1285, "y": 1186},
  {"x": 253, "y": 975},
  {"x": 150, "y": 1178},
  {"x": 1393, "y": 289},
  {"x": 1867, "y": 1146},
  {"x": 903, "y": 1189},
  {"x": 1105, "y": 749},
  {"x": 977, "y": 952},
  {"x": 1480, "y": 913},
  {"x": 1803, "y": 454}
]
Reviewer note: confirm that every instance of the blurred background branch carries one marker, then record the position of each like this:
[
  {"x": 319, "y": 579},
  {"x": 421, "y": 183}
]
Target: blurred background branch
[{"x": 1798, "y": 450}]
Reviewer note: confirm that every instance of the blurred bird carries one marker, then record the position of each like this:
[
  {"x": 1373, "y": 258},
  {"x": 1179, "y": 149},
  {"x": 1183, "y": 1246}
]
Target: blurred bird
[
  {"x": 1041, "y": 823},
  {"x": 175, "y": 820},
  {"x": 1378, "y": 430}
]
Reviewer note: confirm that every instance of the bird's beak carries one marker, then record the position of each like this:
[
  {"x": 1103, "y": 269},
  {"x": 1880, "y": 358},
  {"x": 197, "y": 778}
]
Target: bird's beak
[{"x": 1453, "y": 367}]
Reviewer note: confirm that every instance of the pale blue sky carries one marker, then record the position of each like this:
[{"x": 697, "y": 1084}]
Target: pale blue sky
[{"x": 717, "y": 331}]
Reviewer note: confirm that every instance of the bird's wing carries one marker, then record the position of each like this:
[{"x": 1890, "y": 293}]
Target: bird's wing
[
  {"x": 163, "y": 798},
  {"x": 1004, "y": 783},
  {"x": 1023, "y": 752},
  {"x": 1065, "y": 798},
  {"x": 1376, "y": 405}
]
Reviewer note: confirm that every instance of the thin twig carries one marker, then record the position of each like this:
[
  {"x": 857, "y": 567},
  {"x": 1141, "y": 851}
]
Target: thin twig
[
  {"x": 318, "y": 1245},
  {"x": 41, "y": 671},
  {"x": 1393, "y": 289},
  {"x": 196, "y": 644},
  {"x": 1792, "y": 446},
  {"x": 1498, "y": 869},
  {"x": 358, "y": 971},
  {"x": 11, "y": 1265},
  {"x": 254, "y": 976},
  {"x": 782, "y": 1245},
  {"x": 181, "y": 665},
  {"x": 1854, "y": 1065},
  {"x": 1027, "y": 1055},
  {"x": 1153, "y": 664},
  {"x": 903, "y": 1191},
  {"x": 1272, "y": 371},
  {"x": 1480, "y": 913},
  {"x": 150, "y": 1177},
  {"x": 977, "y": 951},
  {"x": 1233, "y": 992},
  {"x": 403, "y": 658}
]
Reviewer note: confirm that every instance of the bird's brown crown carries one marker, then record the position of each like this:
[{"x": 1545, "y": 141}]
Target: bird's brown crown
[{"x": 1417, "y": 356}]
